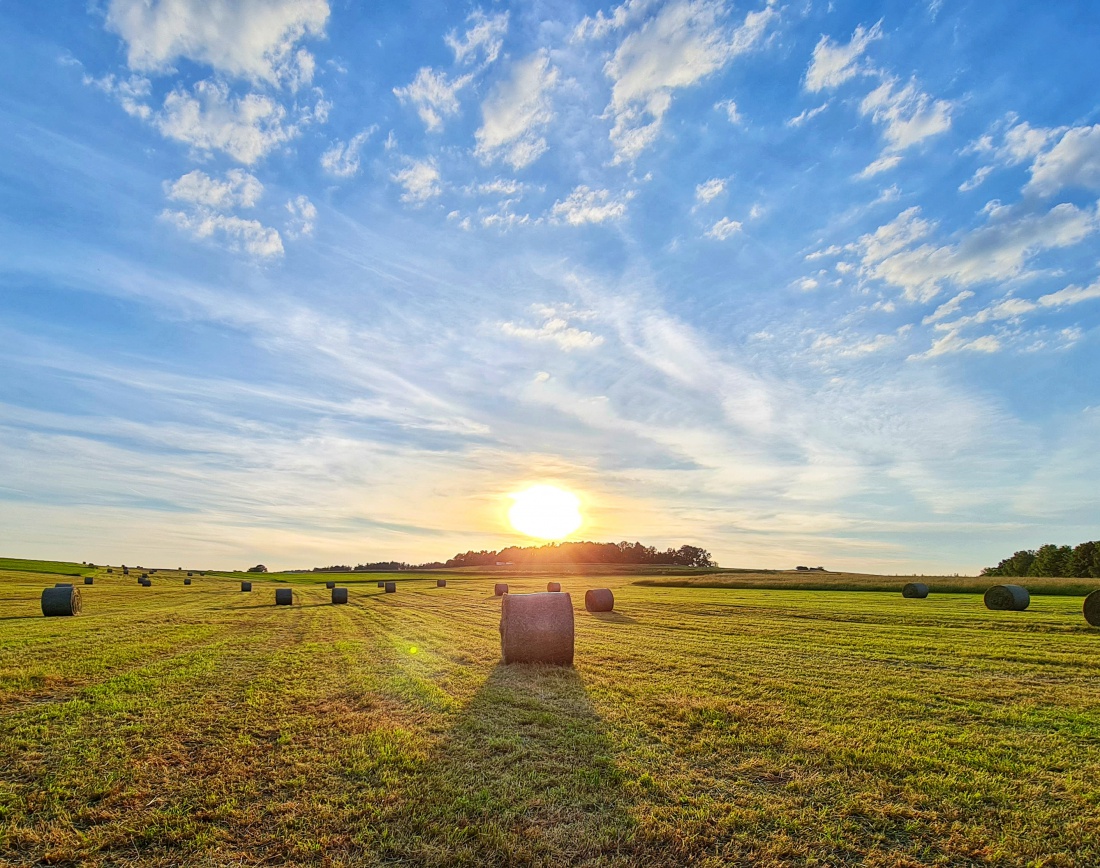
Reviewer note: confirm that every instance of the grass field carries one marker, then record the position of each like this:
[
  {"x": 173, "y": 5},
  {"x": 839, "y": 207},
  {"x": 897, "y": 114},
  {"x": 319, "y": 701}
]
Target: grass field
[{"x": 200, "y": 725}]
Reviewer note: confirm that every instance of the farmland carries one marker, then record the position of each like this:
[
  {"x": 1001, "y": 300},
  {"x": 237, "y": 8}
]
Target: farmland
[{"x": 701, "y": 725}]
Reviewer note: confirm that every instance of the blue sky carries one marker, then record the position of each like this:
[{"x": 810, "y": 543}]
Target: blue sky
[{"x": 315, "y": 282}]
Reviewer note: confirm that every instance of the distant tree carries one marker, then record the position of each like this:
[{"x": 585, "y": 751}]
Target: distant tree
[
  {"x": 1084, "y": 563},
  {"x": 1017, "y": 565},
  {"x": 1050, "y": 561},
  {"x": 259, "y": 568}
]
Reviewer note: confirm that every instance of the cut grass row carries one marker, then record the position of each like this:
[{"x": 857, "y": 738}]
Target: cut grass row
[{"x": 201, "y": 725}]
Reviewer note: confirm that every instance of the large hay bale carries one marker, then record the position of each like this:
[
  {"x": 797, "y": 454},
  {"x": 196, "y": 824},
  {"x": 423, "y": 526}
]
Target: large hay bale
[
  {"x": 391, "y": 587},
  {"x": 599, "y": 600},
  {"x": 60, "y": 600},
  {"x": 536, "y": 628},
  {"x": 500, "y": 589},
  {"x": 187, "y": 581},
  {"x": 284, "y": 596},
  {"x": 246, "y": 586},
  {"x": 1007, "y": 598},
  {"x": 88, "y": 580},
  {"x": 915, "y": 590},
  {"x": 1092, "y": 608},
  {"x": 330, "y": 585},
  {"x": 553, "y": 587},
  {"x": 441, "y": 583},
  {"x": 339, "y": 595}
]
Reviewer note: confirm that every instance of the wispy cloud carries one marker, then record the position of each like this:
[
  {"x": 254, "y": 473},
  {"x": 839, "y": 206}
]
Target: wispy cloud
[{"x": 516, "y": 112}]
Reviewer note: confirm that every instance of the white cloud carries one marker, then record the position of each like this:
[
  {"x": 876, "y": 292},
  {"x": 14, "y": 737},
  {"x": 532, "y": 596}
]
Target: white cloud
[
  {"x": 238, "y": 189},
  {"x": 342, "y": 159},
  {"x": 806, "y": 115},
  {"x": 908, "y": 115},
  {"x": 976, "y": 179},
  {"x": 710, "y": 190},
  {"x": 303, "y": 214},
  {"x": 952, "y": 342},
  {"x": 239, "y": 234},
  {"x": 1071, "y": 295},
  {"x": 585, "y": 205},
  {"x": 556, "y": 329},
  {"x": 948, "y": 308},
  {"x": 730, "y": 108},
  {"x": 434, "y": 95},
  {"x": 484, "y": 37},
  {"x": 250, "y": 39},
  {"x": 682, "y": 44},
  {"x": 131, "y": 92},
  {"x": 882, "y": 164},
  {"x": 420, "y": 178},
  {"x": 209, "y": 119},
  {"x": 515, "y": 112},
  {"x": 834, "y": 64},
  {"x": 1073, "y": 162},
  {"x": 601, "y": 25},
  {"x": 723, "y": 229}
]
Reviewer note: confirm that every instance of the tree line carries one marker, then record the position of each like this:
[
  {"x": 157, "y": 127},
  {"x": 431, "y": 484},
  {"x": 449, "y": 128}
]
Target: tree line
[
  {"x": 584, "y": 553},
  {"x": 1081, "y": 561}
]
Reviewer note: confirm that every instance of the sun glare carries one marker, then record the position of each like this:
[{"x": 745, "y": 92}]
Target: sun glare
[{"x": 545, "y": 512}]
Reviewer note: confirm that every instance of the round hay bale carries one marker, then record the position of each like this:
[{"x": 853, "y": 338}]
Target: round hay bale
[
  {"x": 915, "y": 591},
  {"x": 189, "y": 575},
  {"x": 1007, "y": 598},
  {"x": 339, "y": 595},
  {"x": 145, "y": 575},
  {"x": 88, "y": 580},
  {"x": 500, "y": 589},
  {"x": 330, "y": 585},
  {"x": 147, "y": 583},
  {"x": 599, "y": 600},
  {"x": 536, "y": 628},
  {"x": 1092, "y": 608},
  {"x": 110, "y": 571},
  {"x": 284, "y": 596},
  {"x": 187, "y": 581},
  {"x": 60, "y": 600},
  {"x": 125, "y": 572},
  {"x": 391, "y": 587},
  {"x": 553, "y": 587},
  {"x": 441, "y": 583},
  {"x": 381, "y": 584},
  {"x": 246, "y": 586}
]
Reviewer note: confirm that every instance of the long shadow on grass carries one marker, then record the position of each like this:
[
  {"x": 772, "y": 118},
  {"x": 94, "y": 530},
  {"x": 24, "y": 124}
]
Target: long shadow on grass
[
  {"x": 525, "y": 776},
  {"x": 613, "y": 617}
]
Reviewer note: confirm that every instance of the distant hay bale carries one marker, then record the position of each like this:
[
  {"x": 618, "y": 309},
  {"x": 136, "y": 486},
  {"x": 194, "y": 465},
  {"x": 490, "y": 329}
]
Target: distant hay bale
[
  {"x": 146, "y": 583},
  {"x": 110, "y": 571},
  {"x": 915, "y": 590},
  {"x": 391, "y": 587},
  {"x": 189, "y": 575},
  {"x": 500, "y": 589},
  {"x": 284, "y": 596},
  {"x": 246, "y": 586},
  {"x": 339, "y": 595},
  {"x": 1092, "y": 608},
  {"x": 145, "y": 575},
  {"x": 63, "y": 585},
  {"x": 599, "y": 600},
  {"x": 141, "y": 580},
  {"x": 553, "y": 587},
  {"x": 536, "y": 628},
  {"x": 1007, "y": 598},
  {"x": 381, "y": 584},
  {"x": 187, "y": 581},
  {"x": 330, "y": 585},
  {"x": 125, "y": 572},
  {"x": 60, "y": 600},
  {"x": 441, "y": 583},
  {"x": 88, "y": 580}
]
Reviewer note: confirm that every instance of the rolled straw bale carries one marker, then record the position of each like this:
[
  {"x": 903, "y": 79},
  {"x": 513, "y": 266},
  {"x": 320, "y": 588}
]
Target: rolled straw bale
[
  {"x": 110, "y": 571},
  {"x": 381, "y": 584},
  {"x": 391, "y": 587},
  {"x": 500, "y": 589},
  {"x": 60, "y": 600},
  {"x": 915, "y": 590},
  {"x": 1092, "y": 608},
  {"x": 189, "y": 575},
  {"x": 147, "y": 583},
  {"x": 145, "y": 575},
  {"x": 246, "y": 586},
  {"x": 330, "y": 585},
  {"x": 599, "y": 600},
  {"x": 125, "y": 572},
  {"x": 441, "y": 583},
  {"x": 553, "y": 587},
  {"x": 88, "y": 580},
  {"x": 339, "y": 595},
  {"x": 284, "y": 596},
  {"x": 187, "y": 581},
  {"x": 141, "y": 580},
  {"x": 1011, "y": 598},
  {"x": 536, "y": 628}
]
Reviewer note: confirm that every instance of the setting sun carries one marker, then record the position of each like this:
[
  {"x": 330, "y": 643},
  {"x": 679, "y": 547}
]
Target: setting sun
[{"x": 545, "y": 512}]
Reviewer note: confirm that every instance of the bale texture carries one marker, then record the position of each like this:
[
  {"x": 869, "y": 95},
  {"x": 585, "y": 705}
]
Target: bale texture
[
  {"x": 246, "y": 586},
  {"x": 187, "y": 581},
  {"x": 599, "y": 600},
  {"x": 284, "y": 596},
  {"x": 441, "y": 583},
  {"x": 60, "y": 600},
  {"x": 88, "y": 580},
  {"x": 1007, "y": 598},
  {"x": 915, "y": 590},
  {"x": 553, "y": 587},
  {"x": 536, "y": 628},
  {"x": 500, "y": 589},
  {"x": 339, "y": 595},
  {"x": 330, "y": 585},
  {"x": 391, "y": 587},
  {"x": 1092, "y": 608}
]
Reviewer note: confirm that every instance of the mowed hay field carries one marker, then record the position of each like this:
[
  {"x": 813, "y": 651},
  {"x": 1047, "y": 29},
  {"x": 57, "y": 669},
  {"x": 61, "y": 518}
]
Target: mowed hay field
[{"x": 199, "y": 725}]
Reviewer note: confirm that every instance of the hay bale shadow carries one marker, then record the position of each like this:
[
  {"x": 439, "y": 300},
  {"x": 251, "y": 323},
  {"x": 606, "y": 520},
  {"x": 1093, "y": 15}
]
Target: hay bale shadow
[{"x": 613, "y": 617}]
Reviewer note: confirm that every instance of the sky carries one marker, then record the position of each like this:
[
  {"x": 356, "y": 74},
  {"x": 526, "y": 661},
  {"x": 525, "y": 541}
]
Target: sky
[{"x": 319, "y": 282}]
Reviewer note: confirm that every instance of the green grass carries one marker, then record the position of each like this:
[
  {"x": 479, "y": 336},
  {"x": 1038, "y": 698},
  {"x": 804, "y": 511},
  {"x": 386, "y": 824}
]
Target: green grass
[{"x": 200, "y": 725}]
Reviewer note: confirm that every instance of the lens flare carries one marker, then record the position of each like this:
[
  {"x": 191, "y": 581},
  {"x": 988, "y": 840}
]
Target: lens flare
[{"x": 545, "y": 512}]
